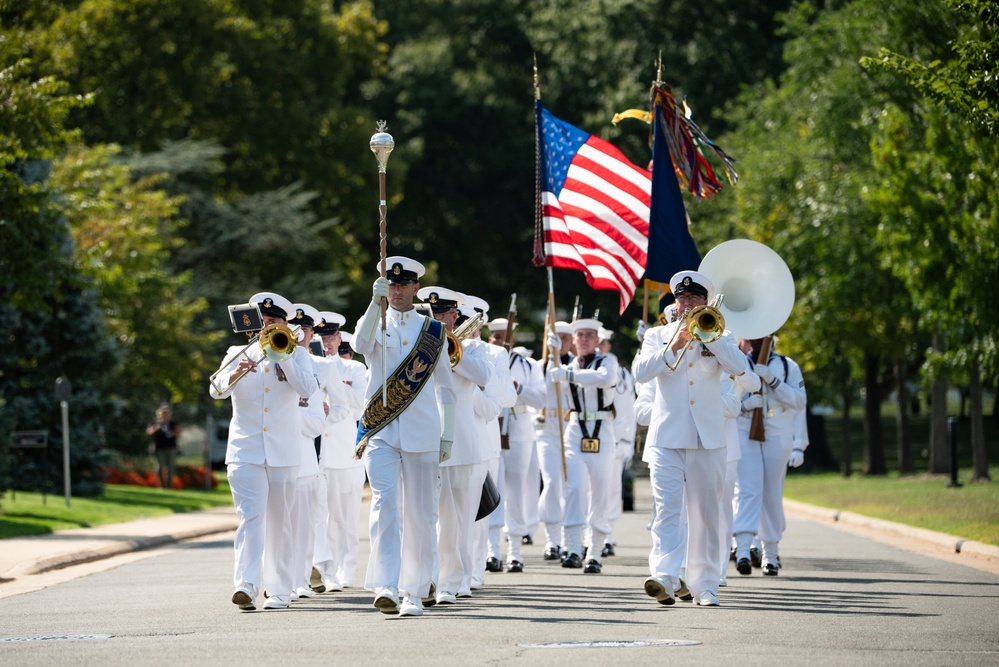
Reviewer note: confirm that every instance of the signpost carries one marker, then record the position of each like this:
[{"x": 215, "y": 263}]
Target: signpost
[{"x": 63, "y": 389}]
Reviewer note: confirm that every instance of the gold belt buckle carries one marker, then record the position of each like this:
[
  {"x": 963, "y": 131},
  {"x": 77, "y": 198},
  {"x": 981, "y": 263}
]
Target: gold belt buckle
[{"x": 589, "y": 445}]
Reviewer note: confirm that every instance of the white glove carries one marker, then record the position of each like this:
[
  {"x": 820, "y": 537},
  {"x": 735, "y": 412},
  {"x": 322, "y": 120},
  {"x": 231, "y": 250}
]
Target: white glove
[
  {"x": 380, "y": 289},
  {"x": 640, "y": 331},
  {"x": 752, "y": 402},
  {"x": 764, "y": 372},
  {"x": 554, "y": 344},
  {"x": 560, "y": 374},
  {"x": 445, "y": 449},
  {"x": 797, "y": 458}
]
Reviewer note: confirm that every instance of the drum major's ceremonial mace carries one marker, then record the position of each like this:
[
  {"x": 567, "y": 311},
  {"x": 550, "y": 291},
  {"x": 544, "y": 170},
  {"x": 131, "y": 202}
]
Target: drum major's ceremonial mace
[{"x": 381, "y": 145}]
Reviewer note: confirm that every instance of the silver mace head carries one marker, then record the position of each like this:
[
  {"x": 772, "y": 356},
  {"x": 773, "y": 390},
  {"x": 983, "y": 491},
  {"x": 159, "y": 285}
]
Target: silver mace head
[{"x": 381, "y": 145}]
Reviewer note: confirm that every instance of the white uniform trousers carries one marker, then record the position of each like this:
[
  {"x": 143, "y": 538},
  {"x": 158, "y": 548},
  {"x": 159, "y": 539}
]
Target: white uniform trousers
[
  {"x": 532, "y": 492},
  {"x": 615, "y": 499},
  {"x": 498, "y": 517},
  {"x": 758, "y": 498},
  {"x": 696, "y": 475},
  {"x": 455, "y": 525},
  {"x": 587, "y": 488},
  {"x": 303, "y": 529},
  {"x": 344, "y": 490},
  {"x": 551, "y": 502},
  {"x": 402, "y": 525},
  {"x": 475, "y": 564},
  {"x": 321, "y": 554},
  {"x": 516, "y": 465},
  {"x": 726, "y": 506},
  {"x": 481, "y": 546},
  {"x": 263, "y": 496}
]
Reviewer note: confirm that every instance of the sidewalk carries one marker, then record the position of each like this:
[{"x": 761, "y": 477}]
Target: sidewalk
[{"x": 27, "y": 556}]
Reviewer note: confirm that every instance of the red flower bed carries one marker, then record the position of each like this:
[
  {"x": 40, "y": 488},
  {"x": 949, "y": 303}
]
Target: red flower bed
[{"x": 186, "y": 477}]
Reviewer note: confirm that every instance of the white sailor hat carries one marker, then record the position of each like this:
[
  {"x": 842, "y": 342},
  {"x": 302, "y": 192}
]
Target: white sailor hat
[
  {"x": 477, "y": 304},
  {"x": 467, "y": 311},
  {"x": 345, "y": 338},
  {"x": 563, "y": 327},
  {"x": 440, "y": 299},
  {"x": 499, "y": 324},
  {"x": 586, "y": 323},
  {"x": 692, "y": 282},
  {"x": 329, "y": 323},
  {"x": 523, "y": 351},
  {"x": 303, "y": 314},
  {"x": 605, "y": 334},
  {"x": 399, "y": 269},
  {"x": 272, "y": 304}
]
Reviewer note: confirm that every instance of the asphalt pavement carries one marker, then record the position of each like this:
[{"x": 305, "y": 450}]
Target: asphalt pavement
[{"x": 850, "y": 592}]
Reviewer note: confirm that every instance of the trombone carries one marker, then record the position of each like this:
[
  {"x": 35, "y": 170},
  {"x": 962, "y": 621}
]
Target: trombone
[
  {"x": 461, "y": 333},
  {"x": 704, "y": 323},
  {"x": 277, "y": 342}
]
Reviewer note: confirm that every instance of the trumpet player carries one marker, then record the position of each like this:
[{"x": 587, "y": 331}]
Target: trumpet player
[
  {"x": 262, "y": 457},
  {"x": 686, "y": 447}
]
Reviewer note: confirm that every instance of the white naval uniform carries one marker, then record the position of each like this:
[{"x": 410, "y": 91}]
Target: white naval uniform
[
  {"x": 763, "y": 466},
  {"x": 686, "y": 452},
  {"x": 498, "y": 393},
  {"x": 341, "y": 475},
  {"x": 624, "y": 430},
  {"x": 401, "y": 461},
  {"x": 519, "y": 425},
  {"x": 459, "y": 496},
  {"x": 551, "y": 505},
  {"x": 262, "y": 458},
  {"x": 588, "y": 474},
  {"x": 731, "y": 407},
  {"x": 303, "y": 510}
]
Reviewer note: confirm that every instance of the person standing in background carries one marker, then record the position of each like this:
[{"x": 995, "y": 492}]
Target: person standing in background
[{"x": 165, "y": 431}]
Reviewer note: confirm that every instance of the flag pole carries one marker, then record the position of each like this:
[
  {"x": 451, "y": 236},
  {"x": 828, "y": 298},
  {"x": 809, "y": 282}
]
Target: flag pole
[{"x": 557, "y": 362}]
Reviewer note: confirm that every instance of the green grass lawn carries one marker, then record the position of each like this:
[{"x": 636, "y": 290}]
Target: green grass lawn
[
  {"x": 24, "y": 513},
  {"x": 923, "y": 501}
]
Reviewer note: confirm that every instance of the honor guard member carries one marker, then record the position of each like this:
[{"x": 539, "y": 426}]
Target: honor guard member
[
  {"x": 518, "y": 445},
  {"x": 262, "y": 458},
  {"x": 686, "y": 447},
  {"x": 551, "y": 505},
  {"x": 624, "y": 430},
  {"x": 458, "y": 499},
  {"x": 342, "y": 475},
  {"x": 590, "y": 444},
  {"x": 763, "y": 466},
  {"x": 402, "y": 445},
  {"x": 498, "y": 394},
  {"x": 313, "y": 416}
]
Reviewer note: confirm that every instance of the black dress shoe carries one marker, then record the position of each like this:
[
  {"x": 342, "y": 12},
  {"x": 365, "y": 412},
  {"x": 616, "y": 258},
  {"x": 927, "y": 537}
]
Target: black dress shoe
[
  {"x": 770, "y": 570},
  {"x": 553, "y": 553},
  {"x": 744, "y": 566},
  {"x": 515, "y": 566},
  {"x": 608, "y": 550},
  {"x": 592, "y": 567},
  {"x": 573, "y": 561},
  {"x": 494, "y": 565},
  {"x": 755, "y": 557},
  {"x": 527, "y": 539}
]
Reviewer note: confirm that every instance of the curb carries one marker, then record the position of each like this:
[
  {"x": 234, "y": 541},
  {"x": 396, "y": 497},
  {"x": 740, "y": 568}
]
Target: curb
[{"x": 950, "y": 543}]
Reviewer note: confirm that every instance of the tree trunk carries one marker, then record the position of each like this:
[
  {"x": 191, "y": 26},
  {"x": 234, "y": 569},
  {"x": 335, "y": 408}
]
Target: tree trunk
[
  {"x": 847, "y": 451},
  {"x": 979, "y": 454},
  {"x": 904, "y": 443},
  {"x": 874, "y": 444},
  {"x": 939, "y": 451}
]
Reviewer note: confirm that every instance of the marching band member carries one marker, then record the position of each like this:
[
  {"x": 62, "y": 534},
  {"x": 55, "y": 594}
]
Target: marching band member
[
  {"x": 342, "y": 474},
  {"x": 519, "y": 444},
  {"x": 402, "y": 445},
  {"x": 551, "y": 506},
  {"x": 590, "y": 444},
  {"x": 686, "y": 447},
  {"x": 458, "y": 498},
  {"x": 763, "y": 466},
  {"x": 312, "y": 417},
  {"x": 262, "y": 459},
  {"x": 624, "y": 430}
]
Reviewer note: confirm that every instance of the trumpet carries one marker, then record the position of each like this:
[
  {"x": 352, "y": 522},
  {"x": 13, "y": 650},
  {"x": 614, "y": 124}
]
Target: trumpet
[
  {"x": 704, "y": 323},
  {"x": 461, "y": 333},
  {"x": 277, "y": 342}
]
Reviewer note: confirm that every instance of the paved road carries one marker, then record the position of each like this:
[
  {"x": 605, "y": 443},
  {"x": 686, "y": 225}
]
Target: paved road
[{"x": 841, "y": 599}]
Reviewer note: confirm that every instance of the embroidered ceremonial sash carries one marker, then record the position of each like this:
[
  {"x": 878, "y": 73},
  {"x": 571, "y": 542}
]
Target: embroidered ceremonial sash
[{"x": 403, "y": 385}]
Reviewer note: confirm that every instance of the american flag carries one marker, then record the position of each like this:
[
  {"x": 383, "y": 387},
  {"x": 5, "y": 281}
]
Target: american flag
[{"x": 592, "y": 209}]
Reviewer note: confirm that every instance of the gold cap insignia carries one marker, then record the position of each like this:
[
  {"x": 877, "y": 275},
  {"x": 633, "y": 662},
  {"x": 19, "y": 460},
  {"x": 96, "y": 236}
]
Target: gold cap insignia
[
  {"x": 397, "y": 268},
  {"x": 268, "y": 303},
  {"x": 686, "y": 280},
  {"x": 433, "y": 297},
  {"x": 321, "y": 324},
  {"x": 299, "y": 313}
]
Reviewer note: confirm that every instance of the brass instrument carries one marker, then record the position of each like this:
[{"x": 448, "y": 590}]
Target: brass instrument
[
  {"x": 704, "y": 323},
  {"x": 461, "y": 333},
  {"x": 277, "y": 341}
]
